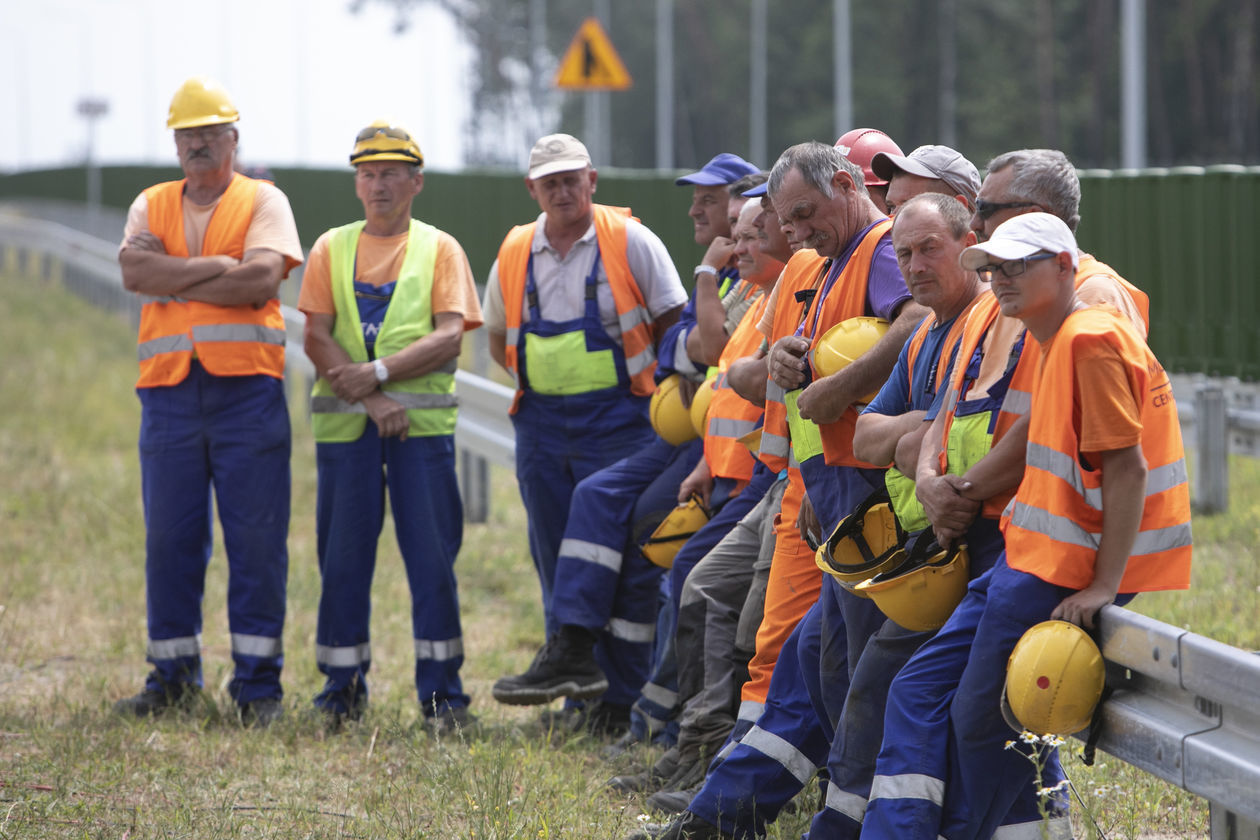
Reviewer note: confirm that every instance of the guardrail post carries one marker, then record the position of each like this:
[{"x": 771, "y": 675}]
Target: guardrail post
[
  {"x": 1226, "y": 825},
  {"x": 1211, "y": 474},
  {"x": 474, "y": 484}
]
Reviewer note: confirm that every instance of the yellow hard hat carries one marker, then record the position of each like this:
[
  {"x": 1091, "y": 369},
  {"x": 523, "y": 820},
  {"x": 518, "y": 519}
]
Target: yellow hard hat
[
  {"x": 384, "y": 141},
  {"x": 670, "y": 420},
  {"x": 200, "y": 101},
  {"x": 700, "y": 407},
  {"x": 1054, "y": 680},
  {"x": 865, "y": 543},
  {"x": 844, "y": 343},
  {"x": 675, "y": 529},
  {"x": 920, "y": 592}
]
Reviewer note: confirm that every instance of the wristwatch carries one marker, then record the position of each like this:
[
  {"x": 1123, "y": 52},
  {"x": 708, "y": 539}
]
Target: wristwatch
[{"x": 382, "y": 372}]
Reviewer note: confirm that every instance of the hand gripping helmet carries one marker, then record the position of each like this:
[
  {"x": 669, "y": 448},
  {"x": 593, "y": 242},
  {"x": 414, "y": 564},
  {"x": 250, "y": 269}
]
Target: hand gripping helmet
[
  {"x": 1054, "y": 680},
  {"x": 860, "y": 145},
  {"x": 865, "y": 543},
  {"x": 700, "y": 407},
  {"x": 679, "y": 525},
  {"x": 844, "y": 343},
  {"x": 200, "y": 101},
  {"x": 383, "y": 141},
  {"x": 669, "y": 418},
  {"x": 921, "y": 590}
]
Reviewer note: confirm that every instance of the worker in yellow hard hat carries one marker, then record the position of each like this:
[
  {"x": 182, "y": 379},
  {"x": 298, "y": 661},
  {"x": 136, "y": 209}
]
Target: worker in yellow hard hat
[
  {"x": 387, "y": 302},
  {"x": 205, "y": 256}
]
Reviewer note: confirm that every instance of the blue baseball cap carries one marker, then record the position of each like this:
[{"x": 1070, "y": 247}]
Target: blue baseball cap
[
  {"x": 724, "y": 169},
  {"x": 757, "y": 191}
]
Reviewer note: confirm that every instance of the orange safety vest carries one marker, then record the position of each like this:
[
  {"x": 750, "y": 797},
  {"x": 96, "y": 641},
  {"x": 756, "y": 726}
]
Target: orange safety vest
[
  {"x": 637, "y": 341},
  {"x": 803, "y": 270},
  {"x": 731, "y": 417},
  {"x": 846, "y": 299},
  {"x": 1055, "y": 522},
  {"x": 1018, "y": 396},
  {"x": 228, "y": 340}
]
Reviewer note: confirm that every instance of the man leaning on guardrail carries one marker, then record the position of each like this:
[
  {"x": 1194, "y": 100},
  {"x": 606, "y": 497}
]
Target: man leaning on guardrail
[
  {"x": 206, "y": 254},
  {"x": 1103, "y": 512},
  {"x": 387, "y": 302}
]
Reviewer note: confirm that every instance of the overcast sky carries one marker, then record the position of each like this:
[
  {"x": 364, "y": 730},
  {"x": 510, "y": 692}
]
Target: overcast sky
[{"x": 306, "y": 75}]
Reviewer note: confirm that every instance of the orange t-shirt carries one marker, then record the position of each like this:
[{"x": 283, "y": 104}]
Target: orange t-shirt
[
  {"x": 1104, "y": 408},
  {"x": 378, "y": 261}
]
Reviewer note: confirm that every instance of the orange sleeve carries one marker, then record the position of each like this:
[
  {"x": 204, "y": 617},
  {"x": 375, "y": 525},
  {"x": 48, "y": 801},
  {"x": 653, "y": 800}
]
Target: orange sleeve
[
  {"x": 453, "y": 287},
  {"x": 316, "y": 295},
  {"x": 1110, "y": 416}
]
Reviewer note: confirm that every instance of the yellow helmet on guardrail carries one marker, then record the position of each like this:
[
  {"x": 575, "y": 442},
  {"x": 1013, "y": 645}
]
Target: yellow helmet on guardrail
[
  {"x": 669, "y": 418},
  {"x": 844, "y": 343},
  {"x": 679, "y": 525},
  {"x": 1054, "y": 680},
  {"x": 920, "y": 590},
  {"x": 865, "y": 543}
]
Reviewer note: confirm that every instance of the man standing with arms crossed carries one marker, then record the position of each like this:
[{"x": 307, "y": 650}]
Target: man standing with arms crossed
[
  {"x": 206, "y": 254},
  {"x": 387, "y": 302}
]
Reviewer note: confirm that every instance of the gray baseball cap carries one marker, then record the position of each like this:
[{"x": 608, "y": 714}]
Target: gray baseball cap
[{"x": 940, "y": 162}]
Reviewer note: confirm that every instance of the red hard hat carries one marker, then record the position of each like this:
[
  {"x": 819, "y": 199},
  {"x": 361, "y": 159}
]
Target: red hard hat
[{"x": 861, "y": 144}]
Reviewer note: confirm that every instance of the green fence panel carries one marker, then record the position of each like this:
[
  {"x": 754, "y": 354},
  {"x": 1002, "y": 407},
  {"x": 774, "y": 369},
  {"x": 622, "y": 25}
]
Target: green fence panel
[{"x": 1187, "y": 236}]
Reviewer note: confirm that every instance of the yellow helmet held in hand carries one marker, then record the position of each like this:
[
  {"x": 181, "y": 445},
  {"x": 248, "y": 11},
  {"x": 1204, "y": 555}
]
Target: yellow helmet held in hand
[
  {"x": 669, "y": 418},
  {"x": 1054, "y": 680},
  {"x": 678, "y": 526},
  {"x": 200, "y": 101},
  {"x": 844, "y": 343},
  {"x": 865, "y": 543},
  {"x": 384, "y": 141},
  {"x": 920, "y": 591},
  {"x": 700, "y": 406}
]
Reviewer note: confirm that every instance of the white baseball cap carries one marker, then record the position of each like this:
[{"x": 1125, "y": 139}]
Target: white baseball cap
[
  {"x": 1022, "y": 236},
  {"x": 557, "y": 153}
]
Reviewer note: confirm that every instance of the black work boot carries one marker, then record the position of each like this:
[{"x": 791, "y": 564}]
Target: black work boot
[
  {"x": 157, "y": 701},
  {"x": 565, "y": 667}
]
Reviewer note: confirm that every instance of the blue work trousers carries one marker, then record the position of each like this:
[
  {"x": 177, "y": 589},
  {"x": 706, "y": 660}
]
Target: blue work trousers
[
  {"x": 944, "y": 769},
  {"x": 859, "y": 733},
  {"x": 428, "y": 523},
  {"x": 561, "y": 440},
  {"x": 603, "y": 582},
  {"x": 659, "y": 703},
  {"x": 230, "y": 433}
]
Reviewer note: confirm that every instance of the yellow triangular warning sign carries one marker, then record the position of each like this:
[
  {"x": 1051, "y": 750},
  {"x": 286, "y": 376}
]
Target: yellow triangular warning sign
[{"x": 591, "y": 62}]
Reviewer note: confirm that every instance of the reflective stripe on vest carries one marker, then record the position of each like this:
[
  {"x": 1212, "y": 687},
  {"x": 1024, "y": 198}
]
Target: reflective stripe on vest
[
  {"x": 637, "y": 340},
  {"x": 429, "y": 399},
  {"x": 1056, "y": 521},
  {"x": 731, "y": 417},
  {"x": 228, "y": 340},
  {"x": 801, "y": 272}
]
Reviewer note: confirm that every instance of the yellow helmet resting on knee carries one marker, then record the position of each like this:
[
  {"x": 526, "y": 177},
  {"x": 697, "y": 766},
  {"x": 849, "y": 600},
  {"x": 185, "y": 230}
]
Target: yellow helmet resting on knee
[
  {"x": 844, "y": 343},
  {"x": 675, "y": 529},
  {"x": 921, "y": 590},
  {"x": 1054, "y": 680},
  {"x": 864, "y": 544},
  {"x": 669, "y": 418}
]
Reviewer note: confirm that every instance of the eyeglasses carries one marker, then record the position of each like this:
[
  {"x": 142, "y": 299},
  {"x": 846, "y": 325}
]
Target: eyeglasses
[
  {"x": 387, "y": 130},
  {"x": 205, "y": 133},
  {"x": 1014, "y": 268},
  {"x": 985, "y": 209}
]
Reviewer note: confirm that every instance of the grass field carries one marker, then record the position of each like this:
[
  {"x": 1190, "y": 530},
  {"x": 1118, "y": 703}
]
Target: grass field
[{"x": 72, "y": 641}]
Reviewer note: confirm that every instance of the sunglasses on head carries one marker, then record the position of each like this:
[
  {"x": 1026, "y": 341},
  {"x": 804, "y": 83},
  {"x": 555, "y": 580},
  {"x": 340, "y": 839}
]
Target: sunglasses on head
[{"x": 387, "y": 130}]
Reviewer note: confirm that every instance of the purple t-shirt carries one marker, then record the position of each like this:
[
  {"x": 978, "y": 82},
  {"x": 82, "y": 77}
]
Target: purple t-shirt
[{"x": 885, "y": 287}]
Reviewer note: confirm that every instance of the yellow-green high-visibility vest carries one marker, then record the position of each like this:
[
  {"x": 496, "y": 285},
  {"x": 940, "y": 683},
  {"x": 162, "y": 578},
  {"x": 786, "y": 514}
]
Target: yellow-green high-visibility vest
[{"x": 430, "y": 399}]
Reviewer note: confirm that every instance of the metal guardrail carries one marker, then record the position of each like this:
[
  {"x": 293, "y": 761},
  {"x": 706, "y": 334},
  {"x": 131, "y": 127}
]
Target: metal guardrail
[{"x": 1186, "y": 708}]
